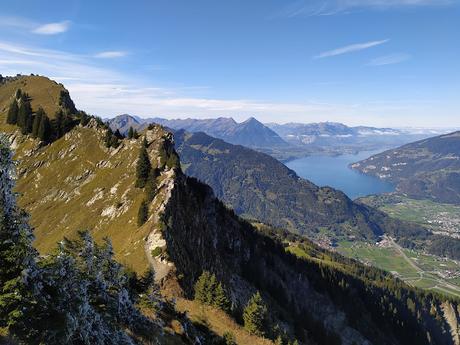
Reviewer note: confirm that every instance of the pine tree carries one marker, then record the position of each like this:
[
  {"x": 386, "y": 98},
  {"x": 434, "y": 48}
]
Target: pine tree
[
  {"x": 229, "y": 339},
  {"x": 221, "y": 300},
  {"x": 111, "y": 139},
  {"x": 17, "y": 256},
  {"x": 136, "y": 134},
  {"x": 18, "y": 94},
  {"x": 143, "y": 166},
  {"x": 108, "y": 137},
  {"x": 37, "y": 119},
  {"x": 25, "y": 116},
  {"x": 58, "y": 124},
  {"x": 173, "y": 161},
  {"x": 279, "y": 340},
  {"x": 130, "y": 133},
  {"x": 143, "y": 213},
  {"x": 201, "y": 287},
  {"x": 118, "y": 135},
  {"x": 151, "y": 186},
  {"x": 255, "y": 315},
  {"x": 44, "y": 129},
  {"x": 12, "y": 117}
]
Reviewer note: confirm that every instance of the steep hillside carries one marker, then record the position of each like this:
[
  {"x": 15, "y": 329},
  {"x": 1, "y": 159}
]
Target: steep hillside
[
  {"x": 258, "y": 186},
  {"x": 427, "y": 169},
  {"x": 336, "y": 137}
]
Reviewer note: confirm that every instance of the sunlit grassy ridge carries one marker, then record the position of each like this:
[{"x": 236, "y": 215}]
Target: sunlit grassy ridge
[
  {"x": 43, "y": 92},
  {"x": 64, "y": 192}
]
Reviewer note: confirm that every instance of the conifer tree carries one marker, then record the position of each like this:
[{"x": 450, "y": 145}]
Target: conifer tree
[
  {"x": 221, "y": 300},
  {"x": 255, "y": 315},
  {"x": 44, "y": 129},
  {"x": 25, "y": 116},
  {"x": 58, "y": 124},
  {"x": 173, "y": 161},
  {"x": 108, "y": 137},
  {"x": 210, "y": 290},
  {"x": 111, "y": 139},
  {"x": 229, "y": 339},
  {"x": 151, "y": 186},
  {"x": 18, "y": 94},
  {"x": 201, "y": 287},
  {"x": 143, "y": 166},
  {"x": 36, "y": 123},
  {"x": 136, "y": 134},
  {"x": 17, "y": 256},
  {"x": 143, "y": 213},
  {"x": 12, "y": 117},
  {"x": 118, "y": 135},
  {"x": 130, "y": 133}
]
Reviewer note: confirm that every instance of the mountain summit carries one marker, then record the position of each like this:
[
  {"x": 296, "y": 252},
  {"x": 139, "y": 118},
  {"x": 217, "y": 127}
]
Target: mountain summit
[{"x": 251, "y": 132}]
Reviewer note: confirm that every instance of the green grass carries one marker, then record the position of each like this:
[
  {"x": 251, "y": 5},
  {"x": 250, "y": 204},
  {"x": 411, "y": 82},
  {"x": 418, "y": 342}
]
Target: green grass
[
  {"x": 385, "y": 258},
  {"x": 390, "y": 259},
  {"x": 436, "y": 216}
]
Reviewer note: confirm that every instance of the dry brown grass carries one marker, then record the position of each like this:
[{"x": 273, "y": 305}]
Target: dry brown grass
[
  {"x": 43, "y": 91},
  {"x": 218, "y": 322}
]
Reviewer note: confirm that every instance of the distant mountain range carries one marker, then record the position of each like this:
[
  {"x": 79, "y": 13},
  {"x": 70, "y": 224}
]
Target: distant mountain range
[
  {"x": 428, "y": 169},
  {"x": 287, "y": 141},
  {"x": 359, "y": 138},
  {"x": 250, "y": 133}
]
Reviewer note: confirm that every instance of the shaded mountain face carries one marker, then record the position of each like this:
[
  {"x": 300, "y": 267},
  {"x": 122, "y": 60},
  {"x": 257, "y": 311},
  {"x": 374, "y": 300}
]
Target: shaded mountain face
[
  {"x": 77, "y": 182},
  {"x": 258, "y": 186},
  {"x": 427, "y": 169},
  {"x": 341, "y": 138},
  {"x": 249, "y": 133}
]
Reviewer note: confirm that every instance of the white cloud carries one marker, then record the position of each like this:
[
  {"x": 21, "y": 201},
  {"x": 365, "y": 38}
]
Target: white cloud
[
  {"x": 350, "y": 48},
  {"x": 389, "y": 59},
  {"x": 330, "y": 7},
  {"x": 105, "y": 92},
  {"x": 52, "y": 28},
  {"x": 111, "y": 54}
]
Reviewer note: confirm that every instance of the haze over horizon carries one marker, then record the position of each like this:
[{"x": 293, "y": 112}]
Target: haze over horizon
[{"x": 383, "y": 63}]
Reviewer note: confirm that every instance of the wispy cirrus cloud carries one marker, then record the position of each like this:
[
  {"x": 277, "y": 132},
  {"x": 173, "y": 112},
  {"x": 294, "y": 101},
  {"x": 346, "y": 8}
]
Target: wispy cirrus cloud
[
  {"x": 111, "y": 54},
  {"x": 309, "y": 8},
  {"x": 390, "y": 59},
  {"x": 100, "y": 90},
  {"x": 52, "y": 28},
  {"x": 350, "y": 48}
]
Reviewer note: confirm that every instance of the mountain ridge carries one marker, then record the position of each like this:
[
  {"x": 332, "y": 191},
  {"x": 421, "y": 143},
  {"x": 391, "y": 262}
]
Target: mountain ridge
[{"x": 429, "y": 168}]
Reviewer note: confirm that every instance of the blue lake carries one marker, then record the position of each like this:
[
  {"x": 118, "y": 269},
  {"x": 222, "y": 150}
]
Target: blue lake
[{"x": 333, "y": 171}]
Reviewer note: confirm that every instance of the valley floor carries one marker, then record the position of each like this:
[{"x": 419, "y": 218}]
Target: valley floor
[{"x": 415, "y": 268}]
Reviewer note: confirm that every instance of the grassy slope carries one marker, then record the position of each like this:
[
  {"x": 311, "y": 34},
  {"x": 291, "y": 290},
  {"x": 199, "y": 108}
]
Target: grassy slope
[
  {"x": 218, "y": 322},
  {"x": 64, "y": 194},
  {"x": 43, "y": 91}
]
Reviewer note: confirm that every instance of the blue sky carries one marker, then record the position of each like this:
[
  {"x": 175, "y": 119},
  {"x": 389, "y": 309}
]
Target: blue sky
[{"x": 371, "y": 62}]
